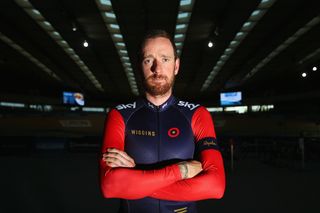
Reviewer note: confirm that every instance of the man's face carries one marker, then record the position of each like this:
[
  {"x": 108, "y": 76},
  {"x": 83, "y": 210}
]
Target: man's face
[{"x": 159, "y": 66}]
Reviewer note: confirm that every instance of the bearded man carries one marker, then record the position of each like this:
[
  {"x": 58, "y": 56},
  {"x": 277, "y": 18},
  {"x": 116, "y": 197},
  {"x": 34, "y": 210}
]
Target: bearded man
[{"x": 159, "y": 153}]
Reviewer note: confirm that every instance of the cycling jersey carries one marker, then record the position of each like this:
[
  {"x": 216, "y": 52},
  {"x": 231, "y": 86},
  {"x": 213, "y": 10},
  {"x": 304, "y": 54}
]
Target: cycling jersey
[{"x": 157, "y": 138}]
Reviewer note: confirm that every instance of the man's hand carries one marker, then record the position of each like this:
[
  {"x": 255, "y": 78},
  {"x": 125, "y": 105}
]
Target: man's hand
[
  {"x": 189, "y": 169},
  {"x": 117, "y": 158}
]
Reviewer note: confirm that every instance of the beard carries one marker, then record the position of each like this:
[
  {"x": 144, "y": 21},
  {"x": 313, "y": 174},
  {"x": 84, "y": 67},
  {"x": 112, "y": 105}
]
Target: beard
[{"x": 158, "y": 88}]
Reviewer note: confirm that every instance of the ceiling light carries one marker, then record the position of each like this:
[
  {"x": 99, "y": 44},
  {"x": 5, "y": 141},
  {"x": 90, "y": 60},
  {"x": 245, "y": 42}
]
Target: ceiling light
[
  {"x": 256, "y": 13},
  {"x": 120, "y": 44},
  {"x": 110, "y": 15},
  {"x": 56, "y": 35},
  {"x": 247, "y": 24},
  {"x": 105, "y": 2},
  {"x": 74, "y": 27},
  {"x": 114, "y": 26},
  {"x": 240, "y": 35},
  {"x": 85, "y": 43},
  {"x": 183, "y": 15},
  {"x": 177, "y": 36},
  {"x": 210, "y": 44},
  {"x": 185, "y": 2},
  {"x": 234, "y": 43},
  {"x": 314, "y": 68},
  {"x": 304, "y": 74},
  {"x": 47, "y": 23},
  {"x": 117, "y": 35},
  {"x": 181, "y": 26}
]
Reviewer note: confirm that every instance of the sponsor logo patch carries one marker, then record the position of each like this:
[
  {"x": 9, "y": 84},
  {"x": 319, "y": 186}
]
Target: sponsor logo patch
[
  {"x": 126, "y": 106},
  {"x": 190, "y": 106},
  {"x": 173, "y": 132},
  {"x": 142, "y": 132},
  {"x": 209, "y": 143}
]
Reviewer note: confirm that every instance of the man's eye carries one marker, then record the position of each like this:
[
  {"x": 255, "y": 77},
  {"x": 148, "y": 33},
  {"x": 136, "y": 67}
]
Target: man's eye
[
  {"x": 165, "y": 59},
  {"x": 147, "y": 61}
]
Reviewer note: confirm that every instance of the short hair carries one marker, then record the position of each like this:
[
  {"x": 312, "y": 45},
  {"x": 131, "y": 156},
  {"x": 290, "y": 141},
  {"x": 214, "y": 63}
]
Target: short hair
[{"x": 151, "y": 34}]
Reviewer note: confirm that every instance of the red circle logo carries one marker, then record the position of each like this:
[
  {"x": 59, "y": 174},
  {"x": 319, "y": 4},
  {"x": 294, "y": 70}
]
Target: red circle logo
[{"x": 173, "y": 132}]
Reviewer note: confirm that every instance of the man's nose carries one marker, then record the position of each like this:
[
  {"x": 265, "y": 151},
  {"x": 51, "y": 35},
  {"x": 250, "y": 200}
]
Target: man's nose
[{"x": 155, "y": 67}]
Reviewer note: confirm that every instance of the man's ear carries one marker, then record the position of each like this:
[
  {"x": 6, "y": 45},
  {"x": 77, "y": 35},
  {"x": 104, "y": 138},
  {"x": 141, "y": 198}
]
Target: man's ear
[{"x": 176, "y": 66}]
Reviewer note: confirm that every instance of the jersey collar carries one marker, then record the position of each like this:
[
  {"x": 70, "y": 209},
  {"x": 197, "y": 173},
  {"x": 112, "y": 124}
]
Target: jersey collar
[{"x": 162, "y": 107}]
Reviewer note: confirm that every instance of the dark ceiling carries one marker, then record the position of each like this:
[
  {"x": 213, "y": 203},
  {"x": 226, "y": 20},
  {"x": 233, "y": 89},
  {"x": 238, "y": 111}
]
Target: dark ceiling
[{"x": 284, "y": 41}]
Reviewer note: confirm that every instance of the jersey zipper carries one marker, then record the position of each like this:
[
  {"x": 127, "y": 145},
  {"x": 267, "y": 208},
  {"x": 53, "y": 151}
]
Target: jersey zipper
[
  {"x": 159, "y": 129},
  {"x": 159, "y": 141}
]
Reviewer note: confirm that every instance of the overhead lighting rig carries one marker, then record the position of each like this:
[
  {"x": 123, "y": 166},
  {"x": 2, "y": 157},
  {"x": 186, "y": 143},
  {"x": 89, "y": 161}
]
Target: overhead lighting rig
[
  {"x": 110, "y": 19},
  {"x": 56, "y": 36},
  {"x": 247, "y": 26}
]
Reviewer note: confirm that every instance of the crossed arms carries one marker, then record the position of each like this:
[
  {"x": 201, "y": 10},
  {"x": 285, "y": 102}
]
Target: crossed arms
[{"x": 119, "y": 178}]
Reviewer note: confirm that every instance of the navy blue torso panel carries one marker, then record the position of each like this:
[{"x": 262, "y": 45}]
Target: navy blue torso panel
[{"x": 156, "y": 136}]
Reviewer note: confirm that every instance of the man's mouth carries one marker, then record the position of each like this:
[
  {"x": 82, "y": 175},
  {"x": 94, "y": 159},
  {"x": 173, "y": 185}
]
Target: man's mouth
[{"x": 157, "y": 78}]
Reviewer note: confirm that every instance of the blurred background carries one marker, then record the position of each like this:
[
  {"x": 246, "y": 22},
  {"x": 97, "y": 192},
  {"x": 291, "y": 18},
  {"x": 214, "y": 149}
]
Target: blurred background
[{"x": 254, "y": 64}]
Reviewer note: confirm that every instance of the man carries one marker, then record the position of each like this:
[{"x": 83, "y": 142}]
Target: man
[{"x": 159, "y": 153}]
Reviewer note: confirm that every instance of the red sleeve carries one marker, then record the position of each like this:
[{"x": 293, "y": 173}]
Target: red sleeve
[
  {"x": 129, "y": 183},
  {"x": 210, "y": 183}
]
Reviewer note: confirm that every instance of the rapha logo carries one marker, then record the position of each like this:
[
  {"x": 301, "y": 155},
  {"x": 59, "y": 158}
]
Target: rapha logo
[
  {"x": 126, "y": 106},
  {"x": 188, "y": 105},
  {"x": 209, "y": 143}
]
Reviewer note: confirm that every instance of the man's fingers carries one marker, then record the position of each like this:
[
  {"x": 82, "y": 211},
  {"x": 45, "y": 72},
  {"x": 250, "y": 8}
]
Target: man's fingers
[
  {"x": 119, "y": 157},
  {"x": 115, "y": 159},
  {"x": 122, "y": 154},
  {"x": 114, "y": 162},
  {"x": 126, "y": 156}
]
